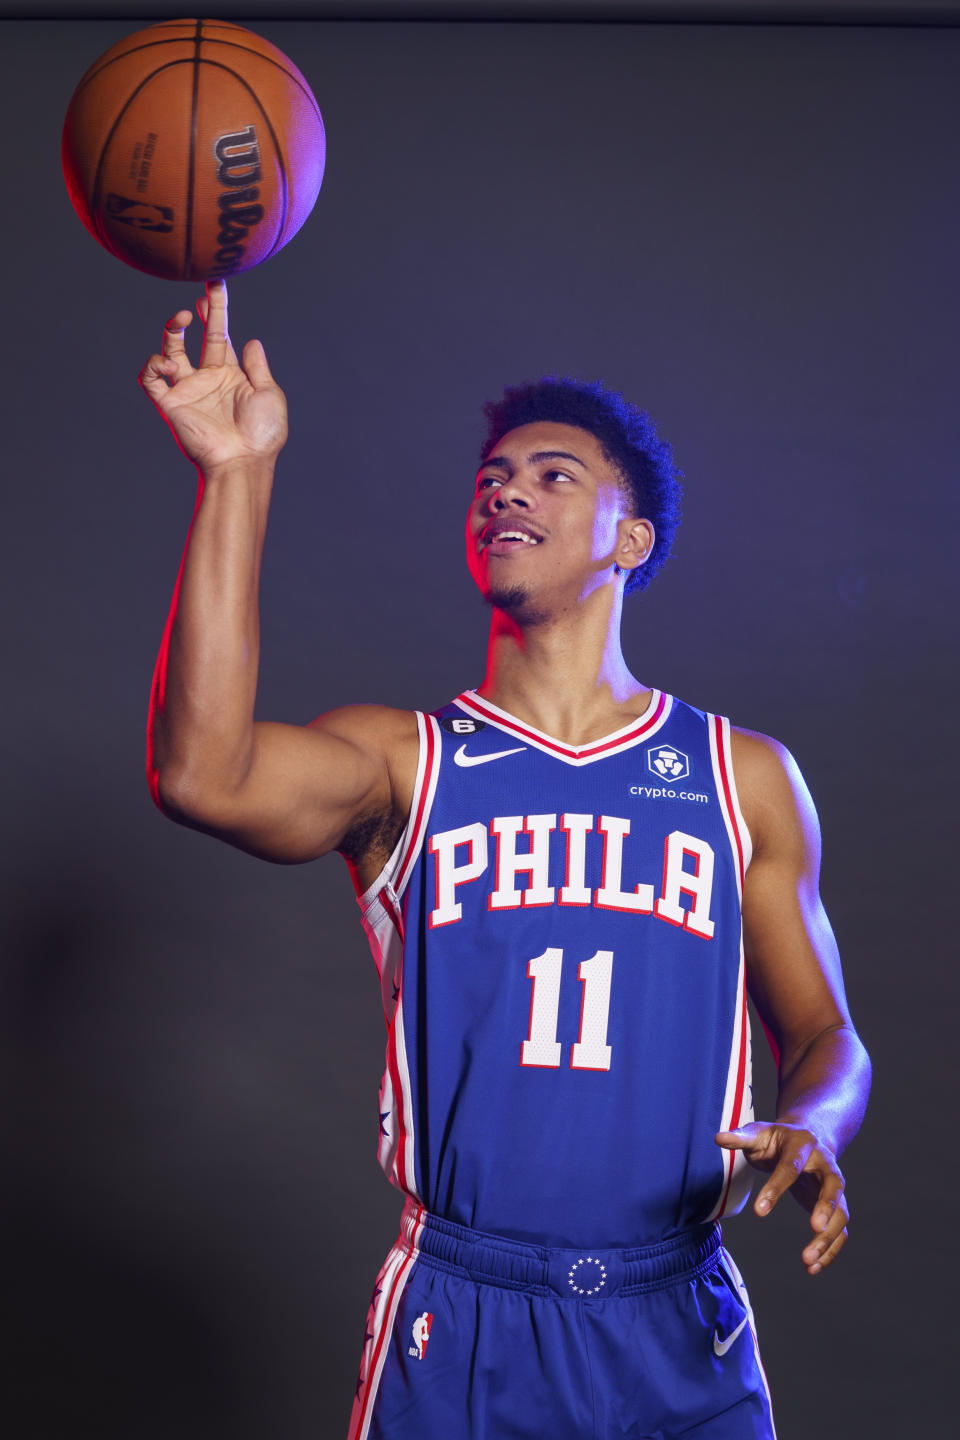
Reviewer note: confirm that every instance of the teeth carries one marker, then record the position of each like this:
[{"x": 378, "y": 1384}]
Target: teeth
[{"x": 515, "y": 535}]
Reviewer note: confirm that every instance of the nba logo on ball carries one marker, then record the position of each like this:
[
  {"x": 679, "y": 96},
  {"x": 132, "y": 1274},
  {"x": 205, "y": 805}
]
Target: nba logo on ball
[
  {"x": 421, "y": 1334},
  {"x": 667, "y": 762}
]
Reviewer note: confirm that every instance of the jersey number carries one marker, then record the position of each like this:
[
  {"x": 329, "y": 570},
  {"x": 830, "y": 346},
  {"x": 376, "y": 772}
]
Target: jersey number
[{"x": 541, "y": 1047}]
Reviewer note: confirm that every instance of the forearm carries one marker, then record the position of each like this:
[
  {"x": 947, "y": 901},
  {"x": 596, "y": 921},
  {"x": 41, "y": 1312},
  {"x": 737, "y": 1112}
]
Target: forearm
[
  {"x": 202, "y": 704},
  {"x": 824, "y": 1087}
]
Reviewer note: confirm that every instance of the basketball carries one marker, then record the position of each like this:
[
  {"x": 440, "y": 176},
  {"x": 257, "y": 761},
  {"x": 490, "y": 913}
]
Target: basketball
[{"x": 193, "y": 149}]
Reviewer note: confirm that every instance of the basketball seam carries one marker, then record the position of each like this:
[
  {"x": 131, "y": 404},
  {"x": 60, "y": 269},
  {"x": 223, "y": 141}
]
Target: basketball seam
[
  {"x": 192, "y": 163},
  {"x": 228, "y": 44},
  {"x": 95, "y": 193}
]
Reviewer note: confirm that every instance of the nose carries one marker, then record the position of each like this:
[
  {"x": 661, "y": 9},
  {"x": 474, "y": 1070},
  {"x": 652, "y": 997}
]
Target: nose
[{"x": 511, "y": 493}]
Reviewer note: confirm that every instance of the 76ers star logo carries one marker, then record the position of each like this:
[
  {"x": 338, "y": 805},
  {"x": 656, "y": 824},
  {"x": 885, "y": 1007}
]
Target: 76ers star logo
[{"x": 421, "y": 1334}]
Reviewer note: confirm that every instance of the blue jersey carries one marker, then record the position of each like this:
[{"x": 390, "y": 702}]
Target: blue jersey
[{"x": 559, "y": 943}]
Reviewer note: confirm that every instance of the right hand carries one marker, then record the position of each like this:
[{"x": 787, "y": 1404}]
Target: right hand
[{"x": 220, "y": 412}]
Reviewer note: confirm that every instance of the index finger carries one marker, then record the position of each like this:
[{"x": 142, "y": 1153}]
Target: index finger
[
  {"x": 793, "y": 1162},
  {"x": 173, "y": 343},
  {"x": 215, "y": 341}
]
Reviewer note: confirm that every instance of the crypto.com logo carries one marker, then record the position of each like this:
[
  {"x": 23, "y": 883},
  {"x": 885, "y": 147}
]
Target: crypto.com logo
[{"x": 667, "y": 762}]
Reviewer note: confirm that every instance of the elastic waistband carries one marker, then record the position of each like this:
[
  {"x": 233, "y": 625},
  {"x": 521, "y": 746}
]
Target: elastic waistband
[{"x": 583, "y": 1273}]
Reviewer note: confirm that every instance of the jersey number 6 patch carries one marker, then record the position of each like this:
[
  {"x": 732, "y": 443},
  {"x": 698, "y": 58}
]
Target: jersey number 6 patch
[{"x": 542, "y": 1048}]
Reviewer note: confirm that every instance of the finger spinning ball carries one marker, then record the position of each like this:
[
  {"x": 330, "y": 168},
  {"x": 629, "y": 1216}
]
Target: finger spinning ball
[{"x": 193, "y": 149}]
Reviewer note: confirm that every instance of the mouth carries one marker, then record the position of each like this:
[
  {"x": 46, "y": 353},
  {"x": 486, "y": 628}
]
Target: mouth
[{"x": 503, "y": 538}]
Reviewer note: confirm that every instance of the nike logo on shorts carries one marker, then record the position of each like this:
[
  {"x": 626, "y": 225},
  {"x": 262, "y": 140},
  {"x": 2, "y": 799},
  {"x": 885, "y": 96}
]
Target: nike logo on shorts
[
  {"x": 720, "y": 1347},
  {"x": 462, "y": 758}
]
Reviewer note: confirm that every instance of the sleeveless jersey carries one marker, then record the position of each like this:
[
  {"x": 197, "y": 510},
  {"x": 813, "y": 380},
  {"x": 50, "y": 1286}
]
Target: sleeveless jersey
[{"x": 559, "y": 945}]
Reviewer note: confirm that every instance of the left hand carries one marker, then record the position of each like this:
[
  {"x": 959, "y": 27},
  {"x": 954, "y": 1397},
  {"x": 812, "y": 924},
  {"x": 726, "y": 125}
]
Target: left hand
[{"x": 796, "y": 1161}]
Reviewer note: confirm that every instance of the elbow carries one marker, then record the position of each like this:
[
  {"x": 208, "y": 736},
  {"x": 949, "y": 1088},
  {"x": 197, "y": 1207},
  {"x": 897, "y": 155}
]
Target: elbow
[
  {"x": 177, "y": 795},
  {"x": 169, "y": 793}
]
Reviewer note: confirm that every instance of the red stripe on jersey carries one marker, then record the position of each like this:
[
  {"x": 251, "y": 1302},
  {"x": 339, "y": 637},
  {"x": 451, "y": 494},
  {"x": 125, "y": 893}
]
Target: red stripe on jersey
[
  {"x": 569, "y": 752},
  {"x": 400, "y": 1160},
  {"x": 415, "y": 832},
  {"x": 737, "y": 1097},
  {"x": 727, "y": 804},
  {"x": 387, "y": 1327},
  {"x": 400, "y": 1163},
  {"x": 728, "y": 795}
]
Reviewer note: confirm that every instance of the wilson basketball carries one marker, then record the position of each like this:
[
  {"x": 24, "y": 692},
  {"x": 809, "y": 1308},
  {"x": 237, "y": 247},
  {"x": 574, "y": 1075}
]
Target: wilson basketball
[{"x": 193, "y": 149}]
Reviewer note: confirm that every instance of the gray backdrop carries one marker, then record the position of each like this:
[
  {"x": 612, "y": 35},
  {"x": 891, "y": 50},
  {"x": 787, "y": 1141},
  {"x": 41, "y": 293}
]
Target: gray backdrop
[{"x": 751, "y": 230}]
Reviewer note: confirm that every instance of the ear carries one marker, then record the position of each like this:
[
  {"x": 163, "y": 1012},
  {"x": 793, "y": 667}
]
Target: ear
[{"x": 635, "y": 540}]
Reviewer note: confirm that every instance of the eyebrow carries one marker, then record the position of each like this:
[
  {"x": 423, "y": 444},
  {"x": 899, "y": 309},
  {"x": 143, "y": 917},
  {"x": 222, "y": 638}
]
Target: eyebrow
[{"x": 536, "y": 458}]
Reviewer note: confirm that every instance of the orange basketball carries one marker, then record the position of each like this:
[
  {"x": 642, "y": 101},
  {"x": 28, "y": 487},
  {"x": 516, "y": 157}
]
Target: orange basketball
[{"x": 193, "y": 149}]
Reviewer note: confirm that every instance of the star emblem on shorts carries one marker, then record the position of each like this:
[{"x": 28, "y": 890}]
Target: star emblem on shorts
[
  {"x": 384, "y": 1115},
  {"x": 597, "y": 1272}
]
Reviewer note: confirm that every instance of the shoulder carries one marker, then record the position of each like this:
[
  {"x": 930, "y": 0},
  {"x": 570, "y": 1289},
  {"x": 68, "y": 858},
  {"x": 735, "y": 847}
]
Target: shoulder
[
  {"x": 386, "y": 736},
  {"x": 773, "y": 794},
  {"x": 379, "y": 727},
  {"x": 383, "y": 734},
  {"x": 388, "y": 740}
]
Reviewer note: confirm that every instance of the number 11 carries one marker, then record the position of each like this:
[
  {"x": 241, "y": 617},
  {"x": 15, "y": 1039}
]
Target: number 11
[{"x": 542, "y": 1048}]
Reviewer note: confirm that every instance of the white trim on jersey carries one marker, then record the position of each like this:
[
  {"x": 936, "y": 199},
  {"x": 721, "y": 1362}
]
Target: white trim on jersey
[
  {"x": 727, "y": 1260},
  {"x": 396, "y": 872},
  {"x": 404, "y": 1166},
  {"x": 390, "y": 1286},
  {"x": 737, "y": 1106},
  {"x": 738, "y": 1093},
  {"x": 428, "y": 770},
  {"x": 654, "y": 717},
  {"x": 382, "y": 914},
  {"x": 722, "y": 759}
]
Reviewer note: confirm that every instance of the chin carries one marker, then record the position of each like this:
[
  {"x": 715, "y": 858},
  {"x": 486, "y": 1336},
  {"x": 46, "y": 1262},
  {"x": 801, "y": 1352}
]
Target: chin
[{"x": 515, "y": 601}]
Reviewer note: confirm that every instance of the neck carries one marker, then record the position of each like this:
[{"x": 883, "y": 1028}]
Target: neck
[{"x": 564, "y": 672}]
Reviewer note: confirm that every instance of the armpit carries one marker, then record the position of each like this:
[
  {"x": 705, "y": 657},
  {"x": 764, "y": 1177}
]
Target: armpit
[{"x": 370, "y": 842}]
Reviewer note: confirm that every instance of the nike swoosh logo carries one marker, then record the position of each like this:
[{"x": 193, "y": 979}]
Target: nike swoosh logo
[
  {"x": 462, "y": 758},
  {"x": 720, "y": 1347}
]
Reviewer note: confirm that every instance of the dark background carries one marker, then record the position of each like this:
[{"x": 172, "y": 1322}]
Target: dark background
[{"x": 753, "y": 231}]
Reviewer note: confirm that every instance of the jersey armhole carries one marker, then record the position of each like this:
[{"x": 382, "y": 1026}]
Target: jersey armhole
[
  {"x": 738, "y": 834},
  {"x": 396, "y": 872}
]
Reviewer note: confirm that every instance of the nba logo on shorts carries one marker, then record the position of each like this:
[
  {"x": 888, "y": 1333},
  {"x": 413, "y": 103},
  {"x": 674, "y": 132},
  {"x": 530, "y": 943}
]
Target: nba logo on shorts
[
  {"x": 421, "y": 1334},
  {"x": 668, "y": 763}
]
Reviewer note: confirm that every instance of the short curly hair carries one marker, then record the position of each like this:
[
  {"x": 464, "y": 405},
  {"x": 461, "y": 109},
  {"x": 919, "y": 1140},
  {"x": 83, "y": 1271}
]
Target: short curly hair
[{"x": 628, "y": 440}]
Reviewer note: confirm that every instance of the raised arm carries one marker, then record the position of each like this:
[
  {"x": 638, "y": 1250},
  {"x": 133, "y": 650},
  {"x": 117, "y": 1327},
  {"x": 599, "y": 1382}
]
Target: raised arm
[
  {"x": 283, "y": 792},
  {"x": 795, "y": 981}
]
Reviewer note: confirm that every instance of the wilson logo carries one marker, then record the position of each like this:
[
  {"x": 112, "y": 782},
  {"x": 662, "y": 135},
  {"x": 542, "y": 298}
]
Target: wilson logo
[{"x": 238, "y": 171}]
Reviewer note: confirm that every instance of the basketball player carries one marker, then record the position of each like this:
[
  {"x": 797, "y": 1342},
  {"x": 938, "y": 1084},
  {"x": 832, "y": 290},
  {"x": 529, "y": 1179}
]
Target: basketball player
[{"x": 569, "y": 882}]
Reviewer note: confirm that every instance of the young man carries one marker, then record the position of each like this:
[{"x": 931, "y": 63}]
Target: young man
[{"x": 569, "y": 882}]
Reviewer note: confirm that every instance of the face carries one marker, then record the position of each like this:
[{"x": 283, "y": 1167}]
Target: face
[{"x": 549, "y": 518}]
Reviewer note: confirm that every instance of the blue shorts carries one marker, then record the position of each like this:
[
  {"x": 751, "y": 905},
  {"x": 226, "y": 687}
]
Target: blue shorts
[{"x": 473, "y": 1337}]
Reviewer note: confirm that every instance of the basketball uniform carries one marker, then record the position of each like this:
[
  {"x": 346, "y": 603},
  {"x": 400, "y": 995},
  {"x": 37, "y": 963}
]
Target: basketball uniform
[{"x": 558, "y": 941}]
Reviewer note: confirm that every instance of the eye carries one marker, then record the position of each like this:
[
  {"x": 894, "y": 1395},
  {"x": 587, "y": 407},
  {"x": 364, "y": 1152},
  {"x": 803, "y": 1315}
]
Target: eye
[
  {"x": 485, "y": 481},
  {"x": 557, "y": 475}
]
